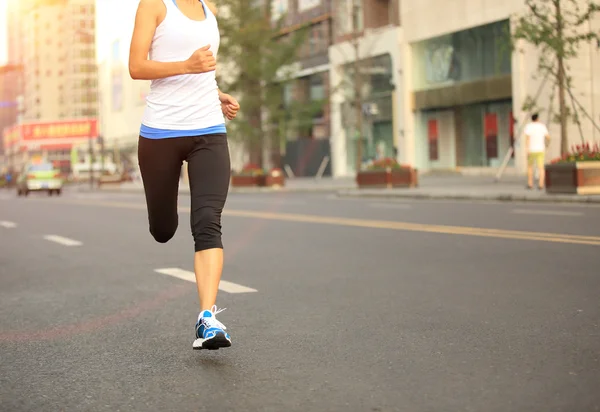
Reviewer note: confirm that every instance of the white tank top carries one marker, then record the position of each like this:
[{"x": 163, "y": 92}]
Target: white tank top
[{"x": 189, "y": 101}]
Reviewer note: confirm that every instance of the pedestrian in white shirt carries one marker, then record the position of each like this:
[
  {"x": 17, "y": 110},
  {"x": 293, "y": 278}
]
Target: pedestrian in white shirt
[{"x": 537, "y": 139}]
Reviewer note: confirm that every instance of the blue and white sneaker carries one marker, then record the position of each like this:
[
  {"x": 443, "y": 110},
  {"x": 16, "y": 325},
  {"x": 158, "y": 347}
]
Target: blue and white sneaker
[{"x": 210, "y": 333}]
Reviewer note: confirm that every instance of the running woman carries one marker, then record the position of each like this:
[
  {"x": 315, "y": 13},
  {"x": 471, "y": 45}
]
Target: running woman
[{"x": 174, "y": 44}]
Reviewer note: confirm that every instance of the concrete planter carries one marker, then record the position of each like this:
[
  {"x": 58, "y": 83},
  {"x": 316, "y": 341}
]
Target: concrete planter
[
  {"x": 247, "y": 180},
  {"x": 582, "y": 178},
  {"x": 387, "y": 178}
]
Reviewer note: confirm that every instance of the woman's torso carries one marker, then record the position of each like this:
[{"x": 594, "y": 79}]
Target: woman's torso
[{"x": 188, "y": 102}]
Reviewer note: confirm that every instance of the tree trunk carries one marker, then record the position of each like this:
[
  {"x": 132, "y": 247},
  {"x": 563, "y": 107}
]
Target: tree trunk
[
  {"x": 561, "y": 80},
  {"x": 564, "y": 146}
]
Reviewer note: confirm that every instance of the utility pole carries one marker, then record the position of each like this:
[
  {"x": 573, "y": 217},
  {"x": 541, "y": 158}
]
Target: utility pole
[
  {"x": 561, "y": 80},
  {"x": 356, "y": 9}
]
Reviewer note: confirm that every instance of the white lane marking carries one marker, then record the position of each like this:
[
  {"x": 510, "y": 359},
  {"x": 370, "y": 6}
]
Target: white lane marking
[
  {"x": 65, "y": 241},
  {"x": 390, "y": 205},
  {"x": 225, "y": 286},
  {"x": 7, "y": 224},
  {"x": 546, "y": 212}
]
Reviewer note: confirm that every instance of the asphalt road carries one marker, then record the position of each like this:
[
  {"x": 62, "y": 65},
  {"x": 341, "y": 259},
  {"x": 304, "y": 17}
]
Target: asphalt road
[{"x": 355, "y": 305}]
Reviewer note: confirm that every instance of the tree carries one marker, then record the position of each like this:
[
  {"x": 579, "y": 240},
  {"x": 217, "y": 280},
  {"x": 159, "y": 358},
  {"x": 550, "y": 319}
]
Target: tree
[
  {"x": 259, "y": 61},
  {"x": 557, "y": 28}
]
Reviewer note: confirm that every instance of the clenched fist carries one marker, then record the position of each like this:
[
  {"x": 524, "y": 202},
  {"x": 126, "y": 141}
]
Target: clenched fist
[{"x": 201, "y": 61}]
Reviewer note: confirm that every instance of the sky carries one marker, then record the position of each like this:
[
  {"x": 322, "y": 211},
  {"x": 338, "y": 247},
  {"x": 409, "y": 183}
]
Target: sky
[{"x": 114, "y": 19}]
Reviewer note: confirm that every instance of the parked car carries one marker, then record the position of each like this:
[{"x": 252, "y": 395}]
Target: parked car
[{"x": 39, "y": 177}]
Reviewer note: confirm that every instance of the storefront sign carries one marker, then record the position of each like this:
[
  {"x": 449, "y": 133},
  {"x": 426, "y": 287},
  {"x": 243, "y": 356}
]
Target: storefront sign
[
  {"x": 432, "y": 133},
  {"x": 491, "y": 135},
  {"x": 60, "y": 130}
]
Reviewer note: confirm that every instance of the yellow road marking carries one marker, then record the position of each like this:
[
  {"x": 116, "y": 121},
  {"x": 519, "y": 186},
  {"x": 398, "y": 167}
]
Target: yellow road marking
[{"x": 375, "y": 224}]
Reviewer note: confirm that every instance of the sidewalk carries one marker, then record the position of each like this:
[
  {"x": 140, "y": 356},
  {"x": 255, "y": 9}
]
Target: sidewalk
[
  {"x": 454, "y": 187},
  {"x": 510, "y": 188}
]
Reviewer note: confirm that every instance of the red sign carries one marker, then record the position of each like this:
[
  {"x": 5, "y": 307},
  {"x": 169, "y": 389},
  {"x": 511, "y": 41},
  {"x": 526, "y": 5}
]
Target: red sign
[
  {"x": 432, "y": 134},
  {"x": 60, "y": 130},
  {"x": 511, "y": 132},
  {"x": 491, "y": 135}
]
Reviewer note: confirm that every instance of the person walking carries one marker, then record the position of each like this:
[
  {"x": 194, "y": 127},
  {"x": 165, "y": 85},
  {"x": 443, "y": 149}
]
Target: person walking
[
  {"x": 537, "y": 139},
  {"x": 175, "y": 44}
]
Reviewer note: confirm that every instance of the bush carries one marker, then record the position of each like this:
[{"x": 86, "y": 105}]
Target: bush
[
  {"x": 252, "y": 170},
  {"x": 580, "y": 153}
]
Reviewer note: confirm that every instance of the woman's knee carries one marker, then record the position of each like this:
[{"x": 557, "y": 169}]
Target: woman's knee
[
  {"x": 162, "y": 234},
  {"x": 206, "y": 228}
]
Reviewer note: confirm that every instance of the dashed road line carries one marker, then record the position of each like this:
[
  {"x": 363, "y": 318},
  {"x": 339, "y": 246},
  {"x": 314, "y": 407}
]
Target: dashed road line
[
  {"x": 224, "y": 285},
  {"x": 65, "y": 241},
  {"x": 8, "y": 225}
]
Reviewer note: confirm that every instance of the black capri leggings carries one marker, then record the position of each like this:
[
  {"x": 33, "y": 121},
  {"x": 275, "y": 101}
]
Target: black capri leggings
[{"x": 209, "y": 171}]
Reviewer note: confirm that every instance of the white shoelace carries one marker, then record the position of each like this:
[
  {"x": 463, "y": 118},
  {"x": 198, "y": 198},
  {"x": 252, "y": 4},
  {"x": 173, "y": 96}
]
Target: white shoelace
[{"x": 212, "y": 322}]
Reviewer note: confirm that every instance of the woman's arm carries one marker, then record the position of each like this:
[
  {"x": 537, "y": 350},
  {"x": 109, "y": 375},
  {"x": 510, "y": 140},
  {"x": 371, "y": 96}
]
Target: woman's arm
[{"x": 141, "y": 68}]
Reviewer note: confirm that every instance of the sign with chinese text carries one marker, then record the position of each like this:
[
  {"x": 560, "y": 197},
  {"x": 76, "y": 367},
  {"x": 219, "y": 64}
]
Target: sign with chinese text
[{"x": 60, "y": 130}]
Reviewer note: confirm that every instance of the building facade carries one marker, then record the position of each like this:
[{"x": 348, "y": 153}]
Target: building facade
[
  {"x": 368, "y": 32},
  {"x": 458, "y": 89},
  {"x": 55, "y": 44},
  {"x": 308, "y": 147},
  {"x": 59, "y": 58}
]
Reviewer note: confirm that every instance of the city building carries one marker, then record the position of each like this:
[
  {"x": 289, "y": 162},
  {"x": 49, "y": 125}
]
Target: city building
[
  {"x": 457, "y": 91},
  {"x": 55, "y": 44},
  {"x": 368, "y": 32},
  {"x": 465, "y": 89},
  {"x": 10, "y": 90},
  {"x": 59, "y": 57},
  {"x": 308, "y": 148}
]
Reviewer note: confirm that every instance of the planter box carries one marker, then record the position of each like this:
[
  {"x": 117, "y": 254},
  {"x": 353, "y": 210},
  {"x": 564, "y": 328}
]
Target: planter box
[
  {"x": 275, "y": 179},
  {"x": 387, "y": 178},
  {"x": 247, "y": 181},
  {"x": 582, "y": 178},
  {"x": 110, "y": 179}
]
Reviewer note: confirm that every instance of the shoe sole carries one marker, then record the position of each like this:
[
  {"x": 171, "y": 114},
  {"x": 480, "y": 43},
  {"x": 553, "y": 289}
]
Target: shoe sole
[{"x": 215, "y": 343}]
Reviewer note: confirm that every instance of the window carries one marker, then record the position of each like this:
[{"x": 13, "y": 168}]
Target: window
[{"x": 349, "y": 17}]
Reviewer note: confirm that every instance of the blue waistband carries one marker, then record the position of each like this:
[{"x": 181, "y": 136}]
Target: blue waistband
[{"x": 152, "y": 133}]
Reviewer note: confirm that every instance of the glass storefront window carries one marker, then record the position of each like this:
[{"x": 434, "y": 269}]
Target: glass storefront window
[
  {"x": 377, "y": 94},
  {"x": 462, "y": 56}
]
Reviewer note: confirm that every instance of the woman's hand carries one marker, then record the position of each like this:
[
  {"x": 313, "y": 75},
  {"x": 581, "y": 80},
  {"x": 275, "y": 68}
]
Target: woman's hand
[
  {"x": 229, "y": 105},
  {"x": 201, "y": 61}
]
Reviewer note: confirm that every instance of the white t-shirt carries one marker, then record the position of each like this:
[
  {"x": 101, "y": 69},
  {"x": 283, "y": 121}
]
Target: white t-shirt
[{"x": 537, "y": 133}]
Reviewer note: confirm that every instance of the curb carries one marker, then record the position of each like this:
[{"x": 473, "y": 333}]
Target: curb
[{"x": 503, "y": 197}]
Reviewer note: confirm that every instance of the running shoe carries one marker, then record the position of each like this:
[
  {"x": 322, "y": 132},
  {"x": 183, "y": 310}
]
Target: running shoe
[{"x": 210, "y": 333}]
